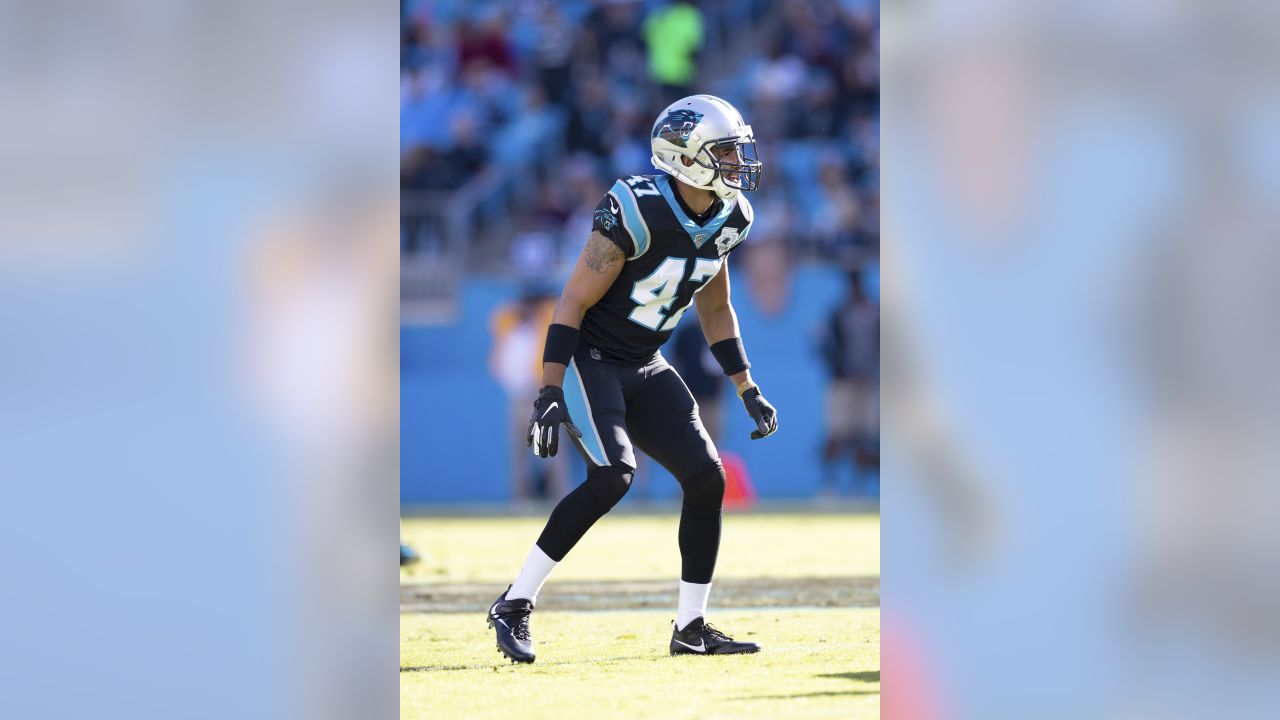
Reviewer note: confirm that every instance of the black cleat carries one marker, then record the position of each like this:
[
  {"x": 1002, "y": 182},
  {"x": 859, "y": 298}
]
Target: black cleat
[
  {"x": 699, "y": 638},
  {"x": 407, "y": 556},
  {"x": 511, "y": 619}
]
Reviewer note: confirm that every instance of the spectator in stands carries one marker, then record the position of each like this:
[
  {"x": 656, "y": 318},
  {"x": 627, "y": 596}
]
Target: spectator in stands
[
  {"x": 589, "y": 117},
  {"x": 427, "y": 168},
  {"x": 869, "y": 221},
  {"x": 422, "y": 102},
  {"x": 768, "y": 266},
  {"x": 851, "y": 349},
  {"x": 612, "y": 43},
  {"x": 780, "y": 76},
  {"x": 553, "y": 54},
  {"x": 860, "y": 68},
  {"x": 674, "y": 35},
  {"x": 515, "y": 360},
  {"x": 834, "y": 208},
  {"x": 553, "y": 205},
  {"x": 485, "y": 44},
  {"x": 627, "y": 139},
  {"x": 467, "y": 154},
  {"x": 422, "y": 47},
  {"x": 816, "y": 116},
  {"x": 775, "y": 83}
]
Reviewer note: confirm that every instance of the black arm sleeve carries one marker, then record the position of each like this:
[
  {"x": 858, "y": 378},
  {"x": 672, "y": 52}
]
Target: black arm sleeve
[{"x": 608, "y": 222}]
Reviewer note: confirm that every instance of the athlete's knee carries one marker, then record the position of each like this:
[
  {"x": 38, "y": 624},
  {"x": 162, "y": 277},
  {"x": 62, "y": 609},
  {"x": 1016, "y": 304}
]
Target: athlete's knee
[
  {"x": 609, "y": 482},
  {"x": 705, "y": 489}
]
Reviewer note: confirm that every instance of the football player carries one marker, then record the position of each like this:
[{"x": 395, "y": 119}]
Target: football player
[{"x": 658, "y": 243}]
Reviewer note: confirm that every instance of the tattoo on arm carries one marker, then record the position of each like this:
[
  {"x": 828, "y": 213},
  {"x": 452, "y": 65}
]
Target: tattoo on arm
[{"x": 601, "y": 253}]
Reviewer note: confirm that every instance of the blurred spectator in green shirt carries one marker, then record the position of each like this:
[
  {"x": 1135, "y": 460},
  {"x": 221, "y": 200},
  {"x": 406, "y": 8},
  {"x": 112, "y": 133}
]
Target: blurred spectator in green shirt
[{"x": 673, "y": 35}]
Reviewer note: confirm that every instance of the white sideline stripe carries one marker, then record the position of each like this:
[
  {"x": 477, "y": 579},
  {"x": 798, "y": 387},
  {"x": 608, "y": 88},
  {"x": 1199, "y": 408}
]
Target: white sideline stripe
[{"x": 591, "y": 421}]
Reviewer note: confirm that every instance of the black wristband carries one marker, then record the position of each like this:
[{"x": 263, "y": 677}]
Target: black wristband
[
  {"x": 731, "y": 356},
  {"x": 562, "y": 342}
]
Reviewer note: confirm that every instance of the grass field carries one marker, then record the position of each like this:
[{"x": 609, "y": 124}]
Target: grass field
[{"x": 805, "y": 586}]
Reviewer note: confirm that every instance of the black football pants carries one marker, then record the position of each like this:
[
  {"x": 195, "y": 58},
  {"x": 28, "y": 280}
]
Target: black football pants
[{"x": 619, "y": 407}]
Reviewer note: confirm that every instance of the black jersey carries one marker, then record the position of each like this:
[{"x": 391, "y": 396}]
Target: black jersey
[{"x": 669, "y": 258}]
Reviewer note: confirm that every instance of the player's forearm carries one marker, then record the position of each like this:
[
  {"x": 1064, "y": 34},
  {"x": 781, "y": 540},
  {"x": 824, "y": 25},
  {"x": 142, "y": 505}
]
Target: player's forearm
[
  {"x": 720, "y": 326},
  {"x": 718, "y": 323},
  {"x": 568, "y": 312},
  {"x": 725, "y": 327}
]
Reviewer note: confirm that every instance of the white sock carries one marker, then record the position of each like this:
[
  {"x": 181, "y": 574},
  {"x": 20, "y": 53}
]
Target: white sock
[
  {"x": 537, "y": 567},
  {"x": 693, "y": 603}
]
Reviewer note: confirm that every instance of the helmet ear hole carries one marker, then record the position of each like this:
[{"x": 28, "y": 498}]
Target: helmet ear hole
[{"x": 686, "y": 161}]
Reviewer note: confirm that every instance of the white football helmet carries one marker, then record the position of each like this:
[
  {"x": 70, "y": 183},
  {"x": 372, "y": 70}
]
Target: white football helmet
[{"x": 712, "y": 135}]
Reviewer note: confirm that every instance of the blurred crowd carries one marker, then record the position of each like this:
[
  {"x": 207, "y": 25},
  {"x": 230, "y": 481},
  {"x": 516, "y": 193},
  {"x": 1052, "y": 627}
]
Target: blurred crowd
[{"x": 565, "y": 93}]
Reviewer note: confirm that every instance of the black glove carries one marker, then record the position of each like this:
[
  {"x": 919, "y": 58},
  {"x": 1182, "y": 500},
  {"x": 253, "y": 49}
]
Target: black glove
[
  {"x": 762, "y": 412},
  {"x": 549, "y": 411}
]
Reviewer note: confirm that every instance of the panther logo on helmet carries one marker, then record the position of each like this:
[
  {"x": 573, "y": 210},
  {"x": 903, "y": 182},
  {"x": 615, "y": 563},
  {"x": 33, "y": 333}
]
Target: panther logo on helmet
[{"x": 676, "y": 127}]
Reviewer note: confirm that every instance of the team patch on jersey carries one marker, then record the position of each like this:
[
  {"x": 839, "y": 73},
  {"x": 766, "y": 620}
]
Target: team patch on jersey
[
  {"x": 606, "y": 219},
  {"x": 728, "y": 238}
]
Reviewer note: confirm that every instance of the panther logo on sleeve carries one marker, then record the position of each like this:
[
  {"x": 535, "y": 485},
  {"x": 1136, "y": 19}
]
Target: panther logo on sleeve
[
  {"x": 606, "y": 219},
  {"x": 729, "y": 237}
]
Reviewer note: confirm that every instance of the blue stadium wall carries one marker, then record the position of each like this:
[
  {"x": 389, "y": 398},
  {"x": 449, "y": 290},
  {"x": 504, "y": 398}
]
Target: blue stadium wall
[{"x": 453, "y": 413}]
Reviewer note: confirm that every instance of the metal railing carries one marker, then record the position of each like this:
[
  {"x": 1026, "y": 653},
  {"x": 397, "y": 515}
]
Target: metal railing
[{"x": 441, "y": 230}]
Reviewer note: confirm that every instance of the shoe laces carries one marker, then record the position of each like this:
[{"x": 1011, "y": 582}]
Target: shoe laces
[
  {"x": 521, "y": 630},
  {"x": 518, "y": 615},
  {"x": 709, "y": 629}
]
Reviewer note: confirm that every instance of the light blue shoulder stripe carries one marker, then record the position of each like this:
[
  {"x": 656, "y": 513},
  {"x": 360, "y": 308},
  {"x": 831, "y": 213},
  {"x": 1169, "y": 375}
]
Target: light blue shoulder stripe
[{"x": 631, "y": 218}]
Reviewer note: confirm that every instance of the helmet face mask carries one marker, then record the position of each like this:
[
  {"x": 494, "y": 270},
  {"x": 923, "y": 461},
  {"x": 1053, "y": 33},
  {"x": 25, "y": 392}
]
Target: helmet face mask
[
  {"x": 703, "y": 142},
  {"x": 735, "y": 161}
]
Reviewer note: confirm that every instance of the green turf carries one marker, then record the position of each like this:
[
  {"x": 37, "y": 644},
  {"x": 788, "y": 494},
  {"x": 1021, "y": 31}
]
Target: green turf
[
  {"x": 613, "y": 663},
  {"x": 815, "y": 664},
  {"x": 636, "y": 547}
]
